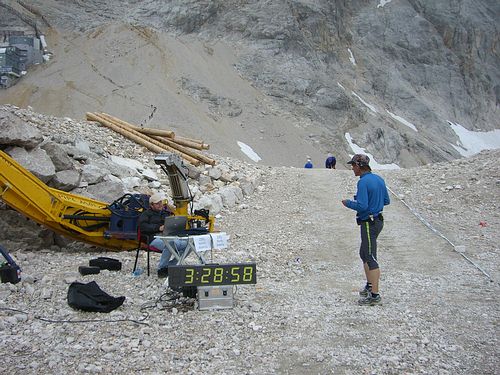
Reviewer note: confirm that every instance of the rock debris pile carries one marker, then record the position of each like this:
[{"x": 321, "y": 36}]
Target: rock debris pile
[
  {"x": 87, "y": 159},
  {"x": 460, "y": 199}
]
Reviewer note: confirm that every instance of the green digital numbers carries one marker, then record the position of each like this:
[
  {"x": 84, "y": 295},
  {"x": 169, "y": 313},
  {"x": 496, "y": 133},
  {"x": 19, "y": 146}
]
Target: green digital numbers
[
  {"x": 247, "y": 273},
  {"x": 218, "y": 274},
  {"x": 189, "y": 276},
  {"x": 213, "y": 274},
  {"x": 235, "y": 272},
  {"x": 205, "y": 276}
]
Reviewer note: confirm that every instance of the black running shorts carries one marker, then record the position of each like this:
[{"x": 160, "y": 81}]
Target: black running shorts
[{"x": 370, "y": 230}]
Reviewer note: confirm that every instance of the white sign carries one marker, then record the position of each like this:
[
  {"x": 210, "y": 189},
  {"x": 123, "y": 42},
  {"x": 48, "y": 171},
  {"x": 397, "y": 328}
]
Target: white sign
[
  {"x": 203, "y": 242},
  {"x": 219, "y": 240}
]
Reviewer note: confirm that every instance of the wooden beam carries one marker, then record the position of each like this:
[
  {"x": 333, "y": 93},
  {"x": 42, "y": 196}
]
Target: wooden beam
[
  {"x": 140, "y": 138},
  {"x": 148, "y": 131},
  {"x": 194, "y": 154}
]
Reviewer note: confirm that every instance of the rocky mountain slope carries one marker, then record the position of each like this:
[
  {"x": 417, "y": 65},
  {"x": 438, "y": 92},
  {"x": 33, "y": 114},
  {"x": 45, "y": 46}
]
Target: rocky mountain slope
[{"x": 288, "y": 78}]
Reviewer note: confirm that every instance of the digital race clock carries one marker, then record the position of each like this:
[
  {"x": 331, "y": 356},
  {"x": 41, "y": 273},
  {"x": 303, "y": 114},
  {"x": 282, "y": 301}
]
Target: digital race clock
[{"x": 212, "y": 274}]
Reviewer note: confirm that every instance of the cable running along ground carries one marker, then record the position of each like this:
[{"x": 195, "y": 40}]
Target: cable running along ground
[{"x": 429, "y": 225}]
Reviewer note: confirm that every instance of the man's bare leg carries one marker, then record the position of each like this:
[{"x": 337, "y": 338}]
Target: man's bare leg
[
  {"x": 373, "y": 277},
  {"x": 365, "y": 266}
]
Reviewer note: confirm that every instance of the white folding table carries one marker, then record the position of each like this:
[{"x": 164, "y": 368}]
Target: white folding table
[
  {"x": 181, "y": 255},
  {"x": 197, "y": 244}
]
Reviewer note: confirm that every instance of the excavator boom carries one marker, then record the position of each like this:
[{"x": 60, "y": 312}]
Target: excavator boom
[
  {"x": 172, "y": 165},
  {"x": 81, "y": 218},
  {"x": 85, "y": 219}
]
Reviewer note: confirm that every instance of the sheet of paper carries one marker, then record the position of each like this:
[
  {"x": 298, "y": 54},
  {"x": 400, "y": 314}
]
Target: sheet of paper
[
  {"x": 219, "y": 240},
  {"x": 203, "y": 242}
]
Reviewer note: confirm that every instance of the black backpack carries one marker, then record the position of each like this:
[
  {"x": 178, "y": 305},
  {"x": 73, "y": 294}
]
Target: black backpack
[{"x": 89, "y": 297}]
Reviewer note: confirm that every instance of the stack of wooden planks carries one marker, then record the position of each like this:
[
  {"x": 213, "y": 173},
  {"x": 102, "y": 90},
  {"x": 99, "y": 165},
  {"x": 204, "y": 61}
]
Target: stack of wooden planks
[{"x": 156, "y": 140}]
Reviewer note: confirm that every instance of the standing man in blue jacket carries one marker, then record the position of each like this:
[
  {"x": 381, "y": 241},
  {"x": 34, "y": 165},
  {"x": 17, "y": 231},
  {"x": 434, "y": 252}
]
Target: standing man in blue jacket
[{"x": 368, "y": 203}]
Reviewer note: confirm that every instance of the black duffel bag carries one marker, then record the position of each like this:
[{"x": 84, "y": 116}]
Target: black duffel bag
[
  {"x": 89, "y": 297},
  {"x": 105, "y": 263}
]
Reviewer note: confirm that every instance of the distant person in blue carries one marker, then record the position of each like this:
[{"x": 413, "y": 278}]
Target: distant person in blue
[
  {"x": 309, "y": 163},
  {"x": 368, "y": 203},
  {"x": 330, "y": 161}
]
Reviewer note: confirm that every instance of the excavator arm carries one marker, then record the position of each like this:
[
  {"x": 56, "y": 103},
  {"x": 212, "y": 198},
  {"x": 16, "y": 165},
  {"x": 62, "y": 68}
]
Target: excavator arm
[
  {"x": 172, "y": 165},
  {"x": 74, "y": 216},
  {"x": 85, "y": 219}
]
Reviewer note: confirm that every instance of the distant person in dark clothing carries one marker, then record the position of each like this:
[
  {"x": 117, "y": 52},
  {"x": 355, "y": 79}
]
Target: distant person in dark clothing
[
  {"x": 369, "y": 201},
  {"x": 151, "y": 223},
  {"x": 309, "y": 163},
  {"x": 330, "y": 161}
]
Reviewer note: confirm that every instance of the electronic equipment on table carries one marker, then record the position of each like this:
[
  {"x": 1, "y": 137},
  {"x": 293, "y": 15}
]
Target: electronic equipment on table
[{"x": 174, "y": 225}]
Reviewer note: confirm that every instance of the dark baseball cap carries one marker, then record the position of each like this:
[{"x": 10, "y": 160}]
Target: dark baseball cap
[{"x": 360, "y": 160}]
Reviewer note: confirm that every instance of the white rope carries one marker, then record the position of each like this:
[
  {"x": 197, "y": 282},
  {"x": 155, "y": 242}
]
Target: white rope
[{"x": 428, "y": 225}]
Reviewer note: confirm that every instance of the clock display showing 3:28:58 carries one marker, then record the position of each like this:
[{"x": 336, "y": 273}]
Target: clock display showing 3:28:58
[{"x": 212, "y": 274}]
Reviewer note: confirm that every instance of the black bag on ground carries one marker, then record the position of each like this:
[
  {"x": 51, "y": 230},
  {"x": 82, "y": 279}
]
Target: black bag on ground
[
  {"x": 89, "y": 297},
  {"x": 84, "y": 270},
  {"x": 105, "y": 263}
]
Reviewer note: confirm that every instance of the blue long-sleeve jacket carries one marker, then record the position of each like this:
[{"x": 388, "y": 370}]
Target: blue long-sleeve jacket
[
  {"x": 330, "y": 162},
  {"x": 371, "y": 196}
]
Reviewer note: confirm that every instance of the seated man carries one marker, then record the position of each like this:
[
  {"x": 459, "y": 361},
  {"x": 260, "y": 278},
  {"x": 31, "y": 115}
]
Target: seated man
[{"x": 151, "y": 224}]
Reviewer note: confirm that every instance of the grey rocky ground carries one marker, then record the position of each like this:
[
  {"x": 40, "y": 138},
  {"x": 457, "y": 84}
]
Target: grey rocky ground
[
  {"x": 440, "y": 312},
  {"x": 282, "y": 77}
]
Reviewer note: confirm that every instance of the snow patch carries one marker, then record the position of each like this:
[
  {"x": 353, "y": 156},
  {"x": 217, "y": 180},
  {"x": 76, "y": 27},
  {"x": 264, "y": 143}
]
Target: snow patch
[
  {"x": 382, "y": 3},
  {"x": 351, "y": 58},
  {"x": 373, "y": 163},
  {"x": 472, "y": 143},
  {"x": 248, "y": 151},
  {"x": 403, "y": 121},
  {"x": 371, "y": 107}
]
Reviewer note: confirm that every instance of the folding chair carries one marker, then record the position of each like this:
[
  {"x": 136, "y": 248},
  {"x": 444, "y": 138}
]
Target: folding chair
[{"x": 143, "y": 244}]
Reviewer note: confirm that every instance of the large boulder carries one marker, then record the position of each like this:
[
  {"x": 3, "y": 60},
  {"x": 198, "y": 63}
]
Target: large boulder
[
  {"x": 120, "y": 171},
  {"x": 212, "y": 202},
  {"x": 246, "y": 185},
  {"x": 15, "y": 132},
  {"x": 66, "y": 180},
  {"x": 58, "y": 155},
  {"x": 231, "y": 195},
  {"x": 215, "y": 173},
  {"x": 36, "y": 161},
  {"x": 93, "y": 174},
  {"x": 107, "y": 191}
]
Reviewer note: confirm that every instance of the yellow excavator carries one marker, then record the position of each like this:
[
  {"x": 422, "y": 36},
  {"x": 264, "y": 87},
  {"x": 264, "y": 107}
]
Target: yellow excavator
[{"x": 112, "y": 226}]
